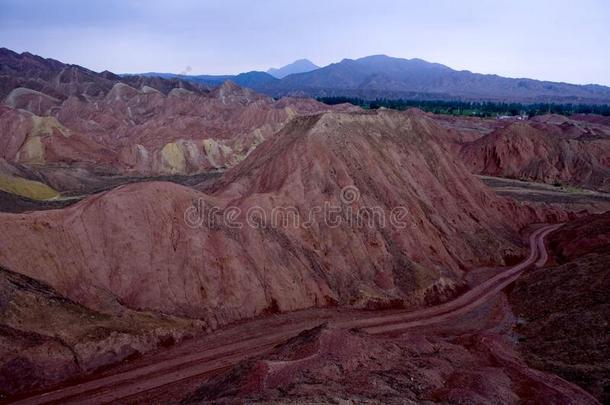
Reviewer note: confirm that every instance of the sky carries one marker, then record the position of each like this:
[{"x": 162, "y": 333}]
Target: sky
[{"x": 542, "y": 39}]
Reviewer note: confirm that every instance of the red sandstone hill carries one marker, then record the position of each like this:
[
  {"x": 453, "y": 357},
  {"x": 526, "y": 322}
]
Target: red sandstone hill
[
  {"x": 147, "y": 132},
  {"x": 69, "y": 123},
  {"x": 548, "y": 149},
  {"x": 132, "y": 245}
]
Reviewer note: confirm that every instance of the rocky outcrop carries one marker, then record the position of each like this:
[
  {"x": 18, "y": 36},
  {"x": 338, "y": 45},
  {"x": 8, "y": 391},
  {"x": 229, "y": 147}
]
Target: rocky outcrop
[{"x": 546, "y": 150}]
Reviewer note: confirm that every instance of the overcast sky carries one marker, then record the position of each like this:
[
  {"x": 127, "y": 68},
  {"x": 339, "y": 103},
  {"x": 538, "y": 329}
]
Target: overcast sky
[{"x": 553, "y": 40}]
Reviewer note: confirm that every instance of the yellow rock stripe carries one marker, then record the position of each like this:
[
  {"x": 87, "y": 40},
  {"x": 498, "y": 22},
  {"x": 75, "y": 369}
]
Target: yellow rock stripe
[{"x": 34, "y": 190}]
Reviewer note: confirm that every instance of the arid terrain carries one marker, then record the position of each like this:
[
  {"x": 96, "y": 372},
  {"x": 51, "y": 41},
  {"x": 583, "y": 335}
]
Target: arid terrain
[
  {"x": 562, "y": 309},
  {"x": 168, "y": 241},
  {"x": 547, "y": 149}
]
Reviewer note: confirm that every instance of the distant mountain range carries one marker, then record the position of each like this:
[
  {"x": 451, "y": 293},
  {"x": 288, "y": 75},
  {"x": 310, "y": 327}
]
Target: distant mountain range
[
  {"x": 381, "y": 76},
  {"x": 369, "y": 78}
]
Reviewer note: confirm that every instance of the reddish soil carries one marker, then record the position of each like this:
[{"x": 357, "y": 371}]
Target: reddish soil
[
  {"x": 554, "y": 150},
  {"x": 330, "y": 362},
  {"x": 563, "y": 308}
]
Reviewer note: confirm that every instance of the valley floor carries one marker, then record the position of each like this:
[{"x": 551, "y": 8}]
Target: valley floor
[
  {"x": 569, "y": 197},
  {"x": 572, "y": 198}
]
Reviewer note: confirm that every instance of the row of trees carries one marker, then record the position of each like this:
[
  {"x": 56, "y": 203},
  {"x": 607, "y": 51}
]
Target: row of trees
[{"x": 475, "y": 109}]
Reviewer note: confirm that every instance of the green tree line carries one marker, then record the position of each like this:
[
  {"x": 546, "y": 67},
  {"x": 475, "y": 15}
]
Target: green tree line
[{"x": 475, "y": 109}]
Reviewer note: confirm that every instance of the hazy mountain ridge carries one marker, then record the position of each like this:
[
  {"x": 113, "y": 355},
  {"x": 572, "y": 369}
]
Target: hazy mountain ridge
[
  {"x": 381, "y": 76},
  {"x": 298, "y": 66}
]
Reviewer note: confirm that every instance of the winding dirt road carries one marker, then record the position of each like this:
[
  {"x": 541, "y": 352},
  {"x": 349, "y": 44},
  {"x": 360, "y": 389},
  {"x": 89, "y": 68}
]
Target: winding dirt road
[{"x": 229, "y": 352}]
